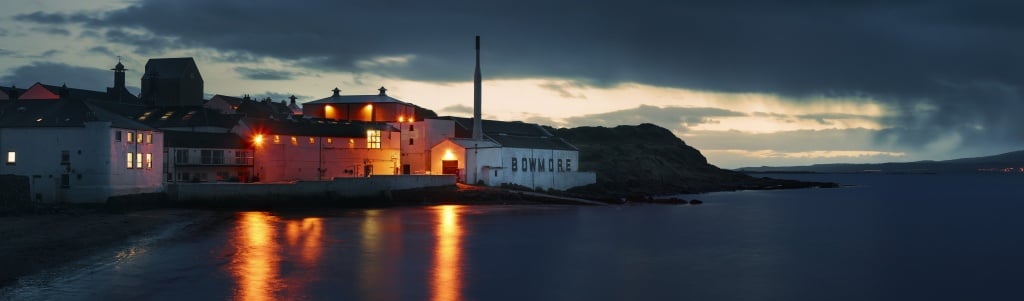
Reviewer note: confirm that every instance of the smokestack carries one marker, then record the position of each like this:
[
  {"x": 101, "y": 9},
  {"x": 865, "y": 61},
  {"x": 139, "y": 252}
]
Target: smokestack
[{"x": 478, "y": 132}]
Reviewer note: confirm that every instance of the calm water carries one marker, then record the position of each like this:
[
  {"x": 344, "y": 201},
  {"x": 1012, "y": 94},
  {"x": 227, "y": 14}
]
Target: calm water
[{"x": 896, "y": 237}]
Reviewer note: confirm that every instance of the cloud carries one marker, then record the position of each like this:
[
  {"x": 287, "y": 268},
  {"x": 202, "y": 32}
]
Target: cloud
[
  {"x": 57, "y": 74},
  {"x": 564, "y": 89},
  {"x": 102, "y": 50},
  {"x": 457, "y": 109},
  {"x": 961, "y": 58},
  {"x": 53, "y": 31},
  {"x": 678, "y": 119},
  {"x": 788, "y": 141},
  {"x": 278, "y": 96},
  {"x": 263, "y": 74}
]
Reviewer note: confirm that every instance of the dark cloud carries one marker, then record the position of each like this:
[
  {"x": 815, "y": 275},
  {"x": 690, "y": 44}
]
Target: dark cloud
[
  {"x": 102, "y": 50},
  {"x": 53, "y": 31},
  {"x": 263, "y": 74},
  {"x": 900, "y": 53},
  {"x": 57, "y": 74},
  {"x": 678, "y": 119},
  {"x": 6, "y": 52}
]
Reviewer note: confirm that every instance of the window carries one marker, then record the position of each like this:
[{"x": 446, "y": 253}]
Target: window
[
  {"x": 65, "y": 181},
  {"x": 138, "y": 160},
  {"x": 149, "y": 161},
  {"x": 10, "y": 158},
  {"x": 131, "y": 137},
  {"x": 138, "y": 138},
  {"x": 129, "y": 162},
  {"x": 208, "y": 156},
  {"x": 312, "y": 140},
  {"x": 181, "y": 156},
  {"x": 295, "y": 140},
  {"x": 149, "y": 138},
  {"x": 410, "y": 141},
  {"x": 117, "y": 136},
  {"x": 243, "y": 158},
  {"x": 351, "y": 143},
  {"x": 329, "y": 140},
  {"x": 65, "y": 157},
  {"x": 410, "y": 128},
  {"x": 373, "y": 139},
  {"x": 277, "y": 139}
]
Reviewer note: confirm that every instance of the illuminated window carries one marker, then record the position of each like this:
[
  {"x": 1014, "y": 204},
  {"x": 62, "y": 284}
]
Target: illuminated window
[
  {"x": 138, "y": 160},
  {"x": 149, "y": 161},
  {"x": 312, "y": 140},
  {"x": 129, "y": 162},
  {"x": 149, "y": 138},
  {"x": 277, "y": 139},
  {"x": 295, "y": 140},
  {"x": 131, "y": 137},
  {"x": 373, "y": 139},
  {"x": 10, "y": 158},
  {"x": 351, "y": 143},
  {"x": 329, "y": 140},
  {"x": 138, "y": 138},
  {"x": 117, "y": 136}
]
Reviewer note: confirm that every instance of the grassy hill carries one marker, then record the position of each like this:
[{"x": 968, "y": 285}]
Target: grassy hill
[{"x": 648, "y": 159}]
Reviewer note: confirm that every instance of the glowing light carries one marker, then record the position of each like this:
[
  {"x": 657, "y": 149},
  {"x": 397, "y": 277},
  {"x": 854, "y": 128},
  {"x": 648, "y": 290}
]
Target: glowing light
[
  {"x": 255, "y": 264},
  {"x": 448, "y": 155},
  {"x": 330, "y": 112},
  {"x": 258, "y": 139},
  {"x": 401, "y": 118},
  {"x": 447, "y": 276}
]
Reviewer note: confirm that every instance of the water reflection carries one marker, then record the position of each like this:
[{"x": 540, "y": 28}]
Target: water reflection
[
  {"x": 255, "y": 265},
  {"x": 446, "y": 279},
  {"x": 381, "y": 260}
]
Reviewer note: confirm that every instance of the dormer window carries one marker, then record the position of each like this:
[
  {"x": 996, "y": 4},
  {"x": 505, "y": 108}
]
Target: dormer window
[{"x": 11, "y": 159}]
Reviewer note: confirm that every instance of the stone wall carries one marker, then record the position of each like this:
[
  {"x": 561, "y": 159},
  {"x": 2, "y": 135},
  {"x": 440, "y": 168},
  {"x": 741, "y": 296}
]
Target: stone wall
[{"x": 337, "y": 189}]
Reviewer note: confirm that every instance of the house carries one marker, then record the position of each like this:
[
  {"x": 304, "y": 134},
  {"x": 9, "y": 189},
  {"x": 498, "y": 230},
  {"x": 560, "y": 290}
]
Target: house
[
  {"x": 172, "y": 82},
  {"x": 76, "y": 151},
  {"x": 370, "y": 108},
  {"x": 307, "y": 149},
  {"x": 207, "y": 157}
]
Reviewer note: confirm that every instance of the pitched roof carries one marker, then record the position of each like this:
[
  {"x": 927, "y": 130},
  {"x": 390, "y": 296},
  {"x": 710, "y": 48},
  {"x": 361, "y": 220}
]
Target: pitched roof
[
  {"x": 315, "y": 128},
  {"x": 66, "y": 112},
  {"x": 204, "y": 140},
  {"x": 357, "y": 99},
  {"x": 168, "y": 67},
  {"x": 177, "y": 117},
  {"x": 515, "y": 134}
]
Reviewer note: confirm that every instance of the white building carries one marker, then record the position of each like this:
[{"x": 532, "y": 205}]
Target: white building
[{"x": 75, "y": 151}]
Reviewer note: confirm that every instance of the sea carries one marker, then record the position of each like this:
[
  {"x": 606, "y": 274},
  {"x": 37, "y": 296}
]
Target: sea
[{"x": 878, "y": 237}]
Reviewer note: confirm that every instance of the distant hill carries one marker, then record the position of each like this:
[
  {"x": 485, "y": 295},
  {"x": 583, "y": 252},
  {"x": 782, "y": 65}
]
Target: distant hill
[
  {"x": 1011, "y": 160},
  {"x": 648, "y": 159}
]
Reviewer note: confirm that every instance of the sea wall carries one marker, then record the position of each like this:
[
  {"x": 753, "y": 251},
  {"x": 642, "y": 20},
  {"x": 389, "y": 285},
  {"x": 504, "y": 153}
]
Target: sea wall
[{"x": 336, "y": 189}]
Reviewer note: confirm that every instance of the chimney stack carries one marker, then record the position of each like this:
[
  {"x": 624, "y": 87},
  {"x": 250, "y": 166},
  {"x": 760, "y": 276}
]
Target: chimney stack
[{"x": 478, "y": 133}]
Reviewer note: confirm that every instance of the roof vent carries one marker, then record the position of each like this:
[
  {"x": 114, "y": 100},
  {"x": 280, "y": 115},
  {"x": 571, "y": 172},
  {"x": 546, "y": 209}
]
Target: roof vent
[
  {"x": 337, "y": 92},
  {"x": 383, "y": 91}
]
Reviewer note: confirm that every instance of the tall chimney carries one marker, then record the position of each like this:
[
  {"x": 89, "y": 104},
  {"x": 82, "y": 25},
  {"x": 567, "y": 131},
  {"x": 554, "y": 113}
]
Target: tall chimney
[{"x": 478, "y": 132}]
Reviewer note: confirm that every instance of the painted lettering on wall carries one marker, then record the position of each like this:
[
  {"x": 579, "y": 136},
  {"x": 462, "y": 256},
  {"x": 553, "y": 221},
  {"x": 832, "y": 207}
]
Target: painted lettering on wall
[{"x": 525, "y": 164}]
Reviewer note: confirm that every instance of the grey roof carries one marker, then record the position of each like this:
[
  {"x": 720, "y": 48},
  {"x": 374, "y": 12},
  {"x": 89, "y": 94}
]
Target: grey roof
[
  {"x": 66, "y": 112},
  {"x": 169, "y": 67},
  {"x": 357, "y": 99},
  {"x": 315, "y": 128},
  {"x": 204, "y": 140},
  {"x": 515, "y": 134},
  {"x": 177, "y": 117}
]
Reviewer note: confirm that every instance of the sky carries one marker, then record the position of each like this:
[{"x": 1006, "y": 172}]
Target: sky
[{"x": 749, "y": 83}]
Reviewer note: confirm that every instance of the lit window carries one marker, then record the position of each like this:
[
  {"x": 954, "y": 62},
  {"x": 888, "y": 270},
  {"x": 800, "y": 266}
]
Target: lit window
[
  {"x": 351, "y": 143},
  {"x": 130, "y": 155},
  {"x": 312, "y": 140},
  {"x": 149, "y": 161},
  {"x": 138, "y": 138},
  {"x": 131, "y": 137},
  {"x": 10, "y": 158},
  {"x": 329, "y": 140},
  {"x": 138, "y": 160},
  {"x": 295, "y": 140},
  {"x": 149, "y": 138},
  {"x": 277, "y": 139},
  {"x": 373, "y": 139}
]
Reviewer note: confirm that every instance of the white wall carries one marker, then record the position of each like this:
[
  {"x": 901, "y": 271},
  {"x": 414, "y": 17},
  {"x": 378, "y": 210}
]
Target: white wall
[
  {"x": 425, "y": 135},
  {"x": 96, "y": 166}
]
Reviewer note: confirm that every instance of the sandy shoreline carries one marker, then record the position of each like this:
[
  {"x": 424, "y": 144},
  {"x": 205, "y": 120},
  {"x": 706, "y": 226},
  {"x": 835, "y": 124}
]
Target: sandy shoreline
[{"x": 36, "y": 242}]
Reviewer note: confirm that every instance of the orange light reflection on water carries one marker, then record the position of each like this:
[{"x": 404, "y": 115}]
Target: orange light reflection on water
[
  {"x": 255, "y": 265},
  {"x": 447, "y": 274}
]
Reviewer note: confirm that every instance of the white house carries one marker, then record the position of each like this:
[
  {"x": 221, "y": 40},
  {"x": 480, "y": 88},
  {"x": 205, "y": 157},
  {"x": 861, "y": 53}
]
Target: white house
[{"x": 75, "y": 151}]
